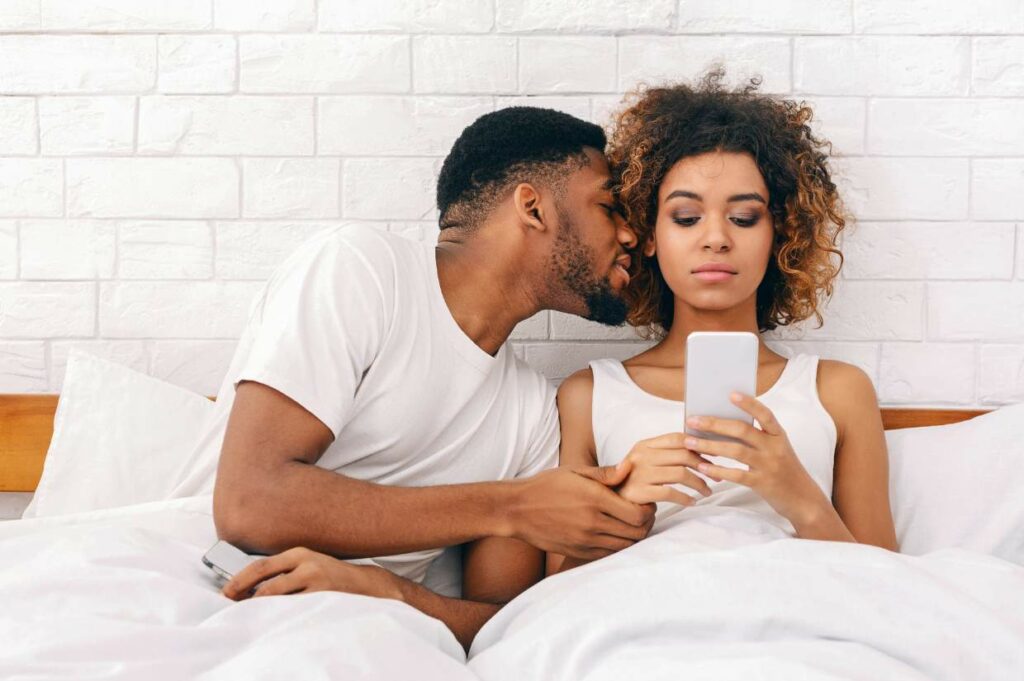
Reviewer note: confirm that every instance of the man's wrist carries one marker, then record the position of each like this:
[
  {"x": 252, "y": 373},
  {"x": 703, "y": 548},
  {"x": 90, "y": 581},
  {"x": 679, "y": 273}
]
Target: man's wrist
[{"x": 503, "y": 506}]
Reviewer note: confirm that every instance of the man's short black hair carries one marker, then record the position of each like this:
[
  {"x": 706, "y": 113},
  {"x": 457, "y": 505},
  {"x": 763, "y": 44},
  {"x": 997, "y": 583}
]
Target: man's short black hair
[{"x": 506, "y": 147}]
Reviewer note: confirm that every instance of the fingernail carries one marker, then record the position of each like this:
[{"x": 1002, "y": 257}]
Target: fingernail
[
  {"x": 735, "y": 397},
  {"x": 695, "y": 421},
  {"x": 690, "y": 442},
  {"x": 703, "y": 467}
]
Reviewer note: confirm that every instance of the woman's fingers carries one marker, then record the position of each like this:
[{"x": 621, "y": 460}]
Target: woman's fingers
[
  {"x": 744, "y": 432},
  {"x": 755, "y": 408},
  {"x": 667, "y": 475}
]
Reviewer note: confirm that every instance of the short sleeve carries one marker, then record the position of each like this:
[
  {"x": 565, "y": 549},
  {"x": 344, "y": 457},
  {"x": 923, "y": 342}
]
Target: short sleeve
[
  {"x": 542, "y": 452},
  {"x": 321, "y": 325}
]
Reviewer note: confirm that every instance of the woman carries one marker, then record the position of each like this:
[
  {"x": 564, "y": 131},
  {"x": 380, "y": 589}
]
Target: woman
[{"x": 731, "y": 182}]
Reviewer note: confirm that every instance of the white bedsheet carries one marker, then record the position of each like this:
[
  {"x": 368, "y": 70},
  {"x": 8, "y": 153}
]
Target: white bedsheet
[
  {"x": 122, "y": 594},
  {"x": 722, "y": 599}
]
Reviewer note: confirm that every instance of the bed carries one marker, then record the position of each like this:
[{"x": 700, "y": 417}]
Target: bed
[{"x": 120, "y": 593}]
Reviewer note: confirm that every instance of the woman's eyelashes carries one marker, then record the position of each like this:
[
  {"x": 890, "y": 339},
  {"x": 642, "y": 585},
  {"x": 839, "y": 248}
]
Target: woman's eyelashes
[{"x": 738, "y": 220}]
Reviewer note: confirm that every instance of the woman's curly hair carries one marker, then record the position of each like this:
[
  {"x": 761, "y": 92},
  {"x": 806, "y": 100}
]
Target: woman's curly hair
[{"x": 665, "y": 124}]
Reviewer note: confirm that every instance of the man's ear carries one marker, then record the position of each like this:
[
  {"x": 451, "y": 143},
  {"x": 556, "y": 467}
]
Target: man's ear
[
  {"x": 528, "y": 206},
  {"x": 649, "y": 246}
]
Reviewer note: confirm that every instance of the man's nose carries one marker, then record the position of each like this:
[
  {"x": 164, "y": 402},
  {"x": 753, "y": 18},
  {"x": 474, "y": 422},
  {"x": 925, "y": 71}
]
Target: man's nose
[{"x": 626, "y": 234}]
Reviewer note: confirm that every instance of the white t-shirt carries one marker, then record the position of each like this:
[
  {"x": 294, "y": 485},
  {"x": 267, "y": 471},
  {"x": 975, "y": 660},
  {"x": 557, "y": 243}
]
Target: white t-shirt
[{"x": 353, "y": 326}]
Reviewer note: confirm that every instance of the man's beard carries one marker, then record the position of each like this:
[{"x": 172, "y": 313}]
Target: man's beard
[{"x": 576, "y": 273}]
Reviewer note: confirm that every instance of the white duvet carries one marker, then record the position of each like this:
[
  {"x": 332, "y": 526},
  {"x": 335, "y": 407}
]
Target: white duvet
[
  {"x": 730, "y": 600},
  {"x": 122, "y": 594}
]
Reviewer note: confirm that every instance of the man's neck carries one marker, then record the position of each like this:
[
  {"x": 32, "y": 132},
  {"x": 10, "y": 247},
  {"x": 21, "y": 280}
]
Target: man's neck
[{"x": 485, "y": 296}]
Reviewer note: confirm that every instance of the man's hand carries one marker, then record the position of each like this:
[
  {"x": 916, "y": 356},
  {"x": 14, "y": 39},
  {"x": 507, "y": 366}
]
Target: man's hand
[
  {"x": 659, "y": 462},
  {"x": 575, "y": 512},
  {"x": 300, "y": 570}
]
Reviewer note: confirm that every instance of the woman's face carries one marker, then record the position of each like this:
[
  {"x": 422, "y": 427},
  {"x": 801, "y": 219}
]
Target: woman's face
[{"x": 713, "y": 234}]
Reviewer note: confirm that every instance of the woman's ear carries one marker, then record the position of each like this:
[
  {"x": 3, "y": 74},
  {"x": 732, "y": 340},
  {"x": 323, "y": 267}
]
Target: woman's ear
[
  {"x": 649, "y": 246},
  {"x": 528, "y": 206}
]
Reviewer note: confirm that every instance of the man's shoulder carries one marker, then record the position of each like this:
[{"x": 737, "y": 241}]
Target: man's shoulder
[{"x": 531, "y": 381}]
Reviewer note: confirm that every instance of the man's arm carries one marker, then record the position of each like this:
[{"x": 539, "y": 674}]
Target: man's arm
[
  {"x": 495, "y": 571},
  {"x": 269, "y": 496}
]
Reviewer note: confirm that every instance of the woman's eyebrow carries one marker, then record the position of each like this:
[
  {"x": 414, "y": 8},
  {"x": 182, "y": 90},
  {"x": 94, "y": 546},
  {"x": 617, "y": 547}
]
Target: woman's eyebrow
[
  {"x": 685, "y": 194},
  {"x": 752, "y": 196}
]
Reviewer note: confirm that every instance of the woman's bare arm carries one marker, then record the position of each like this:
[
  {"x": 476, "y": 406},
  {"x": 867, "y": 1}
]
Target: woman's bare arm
[
  {"x": 575, "y": 396},
  {"x": 860, "y": 486}
]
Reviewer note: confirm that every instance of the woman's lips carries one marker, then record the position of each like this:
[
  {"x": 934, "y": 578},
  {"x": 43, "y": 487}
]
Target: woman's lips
[
  {"x": 625, "y": 274},
  {"x": 714, "y": 275}
]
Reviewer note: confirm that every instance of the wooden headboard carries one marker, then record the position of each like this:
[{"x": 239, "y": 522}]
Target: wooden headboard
[{"x": 26, "y": 426}]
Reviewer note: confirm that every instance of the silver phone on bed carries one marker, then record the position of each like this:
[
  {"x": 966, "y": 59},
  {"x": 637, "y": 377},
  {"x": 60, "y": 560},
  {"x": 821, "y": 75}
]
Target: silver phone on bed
[
  {"x": 719, "y": 363},
  {"x": 227, "y": 560}
]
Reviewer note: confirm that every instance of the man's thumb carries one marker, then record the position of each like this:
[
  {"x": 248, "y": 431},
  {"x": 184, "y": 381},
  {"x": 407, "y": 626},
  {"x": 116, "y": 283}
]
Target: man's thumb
[{"x": 610, "y": 476}]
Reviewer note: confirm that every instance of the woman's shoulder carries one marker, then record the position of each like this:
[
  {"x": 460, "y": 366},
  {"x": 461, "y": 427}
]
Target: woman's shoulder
[
  {"x": 577, "y": 387},
  {"x": 846, "y": 391}
]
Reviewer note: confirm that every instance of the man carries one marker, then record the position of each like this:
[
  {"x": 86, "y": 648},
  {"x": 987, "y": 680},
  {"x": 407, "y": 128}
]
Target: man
[{"x": 378, "y": 410}]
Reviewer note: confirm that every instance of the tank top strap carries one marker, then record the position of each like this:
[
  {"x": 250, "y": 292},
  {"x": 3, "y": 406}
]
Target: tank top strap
[{"x": 800, "y": 375}]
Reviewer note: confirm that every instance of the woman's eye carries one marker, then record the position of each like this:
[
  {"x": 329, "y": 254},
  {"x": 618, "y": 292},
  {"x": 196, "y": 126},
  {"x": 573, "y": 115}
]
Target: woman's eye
[
  {"x": 610, "y": 210},
  {"x": 744, "y": 221},
  {"x": 685, "y": 221}
]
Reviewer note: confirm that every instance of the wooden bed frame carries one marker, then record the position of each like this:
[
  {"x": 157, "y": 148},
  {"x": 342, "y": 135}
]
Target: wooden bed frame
[{"x": 26, "y": 426}]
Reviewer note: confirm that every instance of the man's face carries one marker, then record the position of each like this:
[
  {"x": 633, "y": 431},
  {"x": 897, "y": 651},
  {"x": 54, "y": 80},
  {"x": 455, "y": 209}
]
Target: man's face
[{"x": 589, "y": 260}]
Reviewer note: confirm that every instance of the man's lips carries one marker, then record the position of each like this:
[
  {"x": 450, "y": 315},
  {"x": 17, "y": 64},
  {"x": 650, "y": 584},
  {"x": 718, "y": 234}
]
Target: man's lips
[{"x": 622, "y": 266}]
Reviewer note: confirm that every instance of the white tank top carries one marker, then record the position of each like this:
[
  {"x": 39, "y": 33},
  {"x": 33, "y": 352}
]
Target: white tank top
[{"x": 624, "y": 414}]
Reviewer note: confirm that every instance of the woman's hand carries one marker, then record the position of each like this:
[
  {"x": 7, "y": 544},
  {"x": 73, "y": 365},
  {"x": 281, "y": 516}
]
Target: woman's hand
[
  {"x": 657, "y": 463},
  {"x": 301, "y": 570},
  {"x": 775, "y": 471}
]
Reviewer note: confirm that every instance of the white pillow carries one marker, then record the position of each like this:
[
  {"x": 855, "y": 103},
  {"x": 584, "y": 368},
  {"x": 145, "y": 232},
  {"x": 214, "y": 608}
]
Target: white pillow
[
  {"x": 120, "y": 437},
  {"x": 960, "y": 485}
]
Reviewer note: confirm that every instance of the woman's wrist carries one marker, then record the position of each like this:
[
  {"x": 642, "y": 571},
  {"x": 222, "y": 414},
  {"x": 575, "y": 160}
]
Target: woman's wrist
[{"x": 818, "y": 519}]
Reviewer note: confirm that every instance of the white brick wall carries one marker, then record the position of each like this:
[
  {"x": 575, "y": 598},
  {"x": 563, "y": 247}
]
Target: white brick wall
[{"x": 158, "y": 160}]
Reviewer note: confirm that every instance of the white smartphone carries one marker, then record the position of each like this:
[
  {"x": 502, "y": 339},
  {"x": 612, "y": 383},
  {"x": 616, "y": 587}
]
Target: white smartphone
[
  {"x": 719, "y": 363},
  {"x": 226, "y": 560}
]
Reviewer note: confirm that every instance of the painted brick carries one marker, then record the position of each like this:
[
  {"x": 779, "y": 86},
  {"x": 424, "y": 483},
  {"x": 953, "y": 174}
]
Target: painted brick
[
  {"x": 67, "y": 64},
  {"x": 31, "y": 187},
  {"x": 903, "y": 188},
  {"x": 324, "y": 63},
  {"x": 18, "y": 128},
  {"x": 998, "y": 66},
  {"x": 585, "y": 17},
  {"x": 67, "y": 249},
  {"x": 125, "y": 15},
  {"x": 946, "y": 127},
  {"x": 996, "y": 189},
  {"x": 1001, "y": 375},
  {"x": 290, "y": 187},
  {"x": 413, "y": 16},
  {"x": 77, "y": 126},
  {"x": 988, "y": 311},
  {"x": 152, "y": 187},
  {"x": 567, "y": 64},
  {"x": 195, "y": 309},
  {"x": 197, "y": 64},
  {"x": 23, "y": 367},
  {"x": 252, "y": 250},
  {"x": 908, "y": 373},
  {"x": 47, "y": 309},
  {"x": 389, "y": 189},
  {"x": 268, "y": 126},
  {"x": 866, "y": 311},
  {"x": 486, "y": 64},
  {"x": 165, "y": 249},
  {"x": 938, "y": 16},
  {"x": 558, "y": 360},
  {"x": 929, "y": 250},
  {"x": 751, "y": 16},
  {"x": 657, "y": 59},
  {"x": 8, "y": 249},
  {"x": 389, "y": 125},
  {"x": 264, "y": 15},
  {"x": 885, "y": 66}
]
